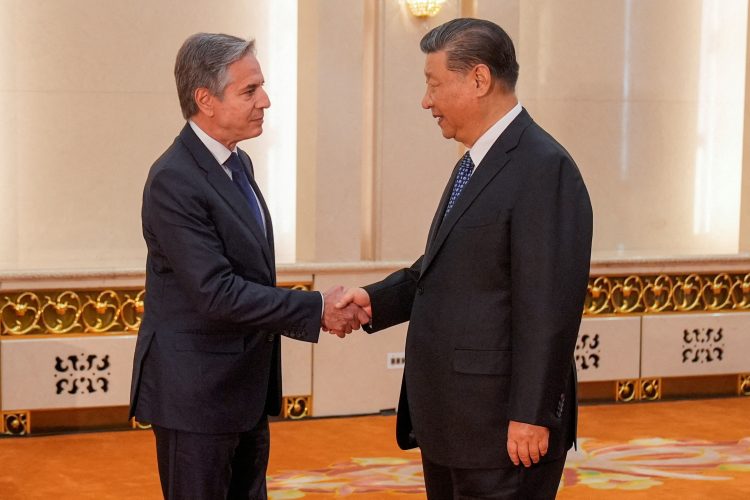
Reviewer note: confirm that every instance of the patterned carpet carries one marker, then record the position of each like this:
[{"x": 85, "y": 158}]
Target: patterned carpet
[{"x": 685, "y": 450}]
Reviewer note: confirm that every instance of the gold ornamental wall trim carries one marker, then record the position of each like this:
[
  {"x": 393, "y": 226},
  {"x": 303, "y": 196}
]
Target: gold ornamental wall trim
[
  {"x": 646, "y": 294},
  {"x": 78, "y": 311}
]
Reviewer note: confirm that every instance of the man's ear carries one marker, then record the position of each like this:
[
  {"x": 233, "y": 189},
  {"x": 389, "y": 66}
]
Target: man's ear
[
  {"x": 204, "y": 99},
  {"x": 482, "y": 79}
]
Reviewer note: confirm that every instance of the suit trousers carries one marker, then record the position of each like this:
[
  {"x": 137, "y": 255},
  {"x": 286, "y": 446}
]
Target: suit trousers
[
  {"x": 199, "y": 466},
  {"x": 538, "y": 482}
]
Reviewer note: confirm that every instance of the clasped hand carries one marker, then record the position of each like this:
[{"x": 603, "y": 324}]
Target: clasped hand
[{"x": 345, "y": 310}]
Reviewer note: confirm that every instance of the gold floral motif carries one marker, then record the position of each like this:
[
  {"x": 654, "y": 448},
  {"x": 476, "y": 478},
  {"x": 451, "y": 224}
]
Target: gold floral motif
[
  {"x": 297, "y": 407},
  {"x": 740, "y": 293},
  {"x": 20, "y": 315},
  {"x": 131, "y": 311},
  {"x": 657, "y": 296},
  {"x": 61, "y": 314},
  {"x": 636, "y": 294},
  {"x": 598, "y": 295},
  {"x": 626, "y": 296},
  {"x": 100, "y": 314}
]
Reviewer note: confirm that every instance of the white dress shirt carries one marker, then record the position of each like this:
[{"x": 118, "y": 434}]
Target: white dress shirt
[
  {"x": 222, "y": 154},
  {"x": 480, "y": 148}
]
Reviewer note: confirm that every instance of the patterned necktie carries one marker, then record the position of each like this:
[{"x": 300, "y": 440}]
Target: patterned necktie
[
  {"x": 240, "y": 179},
  {"x": 464, "y": 174}
]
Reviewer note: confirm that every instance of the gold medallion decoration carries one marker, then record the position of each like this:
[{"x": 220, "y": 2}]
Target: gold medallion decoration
[
  {"x": 626, "y": 390},
  {"x": 15, "y": 423},
  {"x": 743, "y": 384},
  {"x": 297, "y": 407},
  {"x": 650, "y": 389}
]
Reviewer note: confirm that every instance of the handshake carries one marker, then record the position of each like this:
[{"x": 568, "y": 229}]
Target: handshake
[{"x": 345, "y": 310}]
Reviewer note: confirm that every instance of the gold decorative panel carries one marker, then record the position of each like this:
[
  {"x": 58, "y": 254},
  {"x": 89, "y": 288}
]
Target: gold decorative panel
[
  {"x": 15, "y": 423},
  {"x": 667, "y": 293},
  {"x": 68, "y": 311},
  {"x": 78, "y": 311},
  {"x": 297, "y": 407}
]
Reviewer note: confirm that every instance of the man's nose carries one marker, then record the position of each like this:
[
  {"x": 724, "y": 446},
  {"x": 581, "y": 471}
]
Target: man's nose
[
  {"x": 426, "y": 101},
  {"x": 264, "y": 101}
]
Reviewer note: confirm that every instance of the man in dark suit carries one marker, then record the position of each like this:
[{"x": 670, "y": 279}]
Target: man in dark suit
[
  {"x": 207, "y": 366},
  {"x": 495, "y": 302}
]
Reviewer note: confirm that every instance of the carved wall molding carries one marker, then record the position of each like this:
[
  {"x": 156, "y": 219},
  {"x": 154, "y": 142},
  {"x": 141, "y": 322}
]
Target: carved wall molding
[
  {"x": 667, "y": 293},
  {"x": 60, "y": 312}
]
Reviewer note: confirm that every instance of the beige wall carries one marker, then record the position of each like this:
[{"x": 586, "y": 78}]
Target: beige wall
[
  {"x": 87, "y": 94},
  {"x": 88, "y": 103}
]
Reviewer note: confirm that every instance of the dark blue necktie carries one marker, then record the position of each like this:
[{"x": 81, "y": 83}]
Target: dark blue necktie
[
  {"x": 464, "y": 174},
  {"x": 240, "y": 179}
]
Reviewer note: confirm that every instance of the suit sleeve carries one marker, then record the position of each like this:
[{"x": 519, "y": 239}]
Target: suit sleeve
[
  {"x": 551, "y": 229},
  {"x": 392, "y": 298},
  {"x": 180, "y": 219}
]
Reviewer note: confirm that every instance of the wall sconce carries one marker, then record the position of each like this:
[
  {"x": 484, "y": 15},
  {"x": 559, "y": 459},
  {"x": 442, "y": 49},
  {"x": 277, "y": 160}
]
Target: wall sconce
[{"x": 424, "y": 8}]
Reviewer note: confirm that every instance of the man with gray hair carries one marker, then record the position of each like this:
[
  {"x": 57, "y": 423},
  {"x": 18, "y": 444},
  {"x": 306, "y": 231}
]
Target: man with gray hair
[
  {"x": 495, "y": 302},
  {"x": 207, "y": 366}
]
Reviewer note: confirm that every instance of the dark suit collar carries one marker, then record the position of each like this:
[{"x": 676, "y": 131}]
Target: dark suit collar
[
  {"x": 221, "y": 182},
  {"x": 492, "y": 163}
]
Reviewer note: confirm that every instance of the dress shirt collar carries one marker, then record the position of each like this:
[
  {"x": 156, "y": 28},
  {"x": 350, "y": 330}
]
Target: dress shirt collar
[
  {"x": 480, "y": 148},
  {"x": 217, "y": 149}
]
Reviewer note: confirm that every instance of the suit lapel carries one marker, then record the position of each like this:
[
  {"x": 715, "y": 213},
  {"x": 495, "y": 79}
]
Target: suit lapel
[
  {"x": 223, "y": 185},
  {"x": 438, "y": 218},
  {"x": 493, "y": 162}
]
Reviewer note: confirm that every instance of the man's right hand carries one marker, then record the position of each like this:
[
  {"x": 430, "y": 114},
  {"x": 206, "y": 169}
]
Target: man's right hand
[
  {"x": 341, "y": 318},
  {"x": 357, "y": 296}
]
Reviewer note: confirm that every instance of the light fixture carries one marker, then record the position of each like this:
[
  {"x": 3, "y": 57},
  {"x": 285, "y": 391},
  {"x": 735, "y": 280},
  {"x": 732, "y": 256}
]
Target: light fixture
[{"x": 424, "y": 8}]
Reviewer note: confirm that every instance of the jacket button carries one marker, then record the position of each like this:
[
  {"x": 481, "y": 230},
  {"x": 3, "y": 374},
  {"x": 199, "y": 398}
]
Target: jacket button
[
  {"x": 420, "y": 290},
  {"x": 270, "y": 337}
]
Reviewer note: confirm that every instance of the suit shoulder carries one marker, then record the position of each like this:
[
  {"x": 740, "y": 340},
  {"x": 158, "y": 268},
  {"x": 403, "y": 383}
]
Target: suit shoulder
[
  {"x": 539, "y": 151},
  {"x": 173, "y": 163}
]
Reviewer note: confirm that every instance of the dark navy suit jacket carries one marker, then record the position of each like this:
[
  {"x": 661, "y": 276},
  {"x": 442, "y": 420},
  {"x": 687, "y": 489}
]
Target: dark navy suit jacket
[
  {"x": 208, "y": 356},
  {"x": 494, "y": 305}
]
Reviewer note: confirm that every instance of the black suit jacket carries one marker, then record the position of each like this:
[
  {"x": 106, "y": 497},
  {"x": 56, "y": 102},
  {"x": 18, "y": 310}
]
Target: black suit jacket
[
  {"x": 207, "y": 357},
  {"x": 494, "y": 305}
]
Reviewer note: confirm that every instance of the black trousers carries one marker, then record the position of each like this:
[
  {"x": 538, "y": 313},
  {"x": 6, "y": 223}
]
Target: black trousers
[
  {"x": 538, "y": 482},
  {"x": 196, "y": 466}
]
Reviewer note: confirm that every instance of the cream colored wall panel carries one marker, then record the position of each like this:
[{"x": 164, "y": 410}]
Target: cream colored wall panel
[
  {"x": 296, "y": 367},
  {"x": 66, "y": 372},
  {"x": 350, "y": 374},
  {"x": 651, "y": 191},
  {"x": 695, "y": 344},
  {"x": 88, "y": 45},
  {"x": 8, "y": 179},
  {"x": 81, "y": 175},
  {"x": 608, "y": 349},
  {"x": 416, "y": 160}
]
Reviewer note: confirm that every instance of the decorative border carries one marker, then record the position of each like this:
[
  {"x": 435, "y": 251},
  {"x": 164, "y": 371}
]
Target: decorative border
[
  {"x": 15, "y": 422},
  {"x": 63, "y": 312},
  {"x": 638, "y": 294}
]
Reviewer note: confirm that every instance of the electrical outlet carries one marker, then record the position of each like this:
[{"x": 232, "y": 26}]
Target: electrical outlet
[{"x": 395, "y": 360}]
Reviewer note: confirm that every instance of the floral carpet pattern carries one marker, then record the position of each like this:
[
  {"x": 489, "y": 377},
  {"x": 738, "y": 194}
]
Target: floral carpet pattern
[{"x": 636, "y": 465}]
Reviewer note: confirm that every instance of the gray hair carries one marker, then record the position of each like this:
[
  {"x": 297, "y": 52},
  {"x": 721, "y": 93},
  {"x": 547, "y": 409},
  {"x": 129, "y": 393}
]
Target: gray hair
[
  {"x": 203, "y": 61},
  {"x": 468, "y": 42}
]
